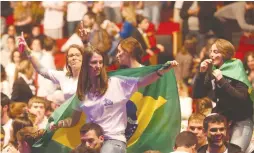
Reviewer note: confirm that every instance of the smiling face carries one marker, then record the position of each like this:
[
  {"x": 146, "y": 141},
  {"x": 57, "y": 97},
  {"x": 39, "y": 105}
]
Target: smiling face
[
  {"x": 95, "y": 65},
  {"x": 74, "y": 58},
  {"x": 216, "y": 56},
  {"x": 216, "y": 134}
]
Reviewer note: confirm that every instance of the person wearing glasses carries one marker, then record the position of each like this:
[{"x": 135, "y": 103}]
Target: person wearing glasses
[{"x": 67, "y": 80}]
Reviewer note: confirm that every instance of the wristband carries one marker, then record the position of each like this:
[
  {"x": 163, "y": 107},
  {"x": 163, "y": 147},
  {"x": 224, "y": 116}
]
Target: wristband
[{"x": 157, "y": 72}]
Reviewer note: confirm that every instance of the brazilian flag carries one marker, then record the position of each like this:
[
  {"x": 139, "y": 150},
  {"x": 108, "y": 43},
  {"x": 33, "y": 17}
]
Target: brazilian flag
[{"x": 154, "y": 117}]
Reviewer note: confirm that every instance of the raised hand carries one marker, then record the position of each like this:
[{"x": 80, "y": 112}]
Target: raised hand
[
  {"x": 167, "y": 66},
  {"x": 83, "y": 32},
  {"x": 53, "y": 126},
  {"x": 205, "y": 64},
  {"x": 22, "y": 44}
]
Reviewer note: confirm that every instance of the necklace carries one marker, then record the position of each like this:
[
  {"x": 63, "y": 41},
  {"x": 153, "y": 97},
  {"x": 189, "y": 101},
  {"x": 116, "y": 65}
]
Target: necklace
[{"x": 94, "y": 95}]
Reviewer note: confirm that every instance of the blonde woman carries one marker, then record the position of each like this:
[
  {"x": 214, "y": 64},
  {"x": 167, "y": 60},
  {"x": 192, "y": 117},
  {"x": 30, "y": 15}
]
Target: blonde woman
[
  {"x": 227, "y": 85},
  {"x": 129, "y": 24},
  {"x": 23, "y": 88},
  {"x": 26, "y": 137}
]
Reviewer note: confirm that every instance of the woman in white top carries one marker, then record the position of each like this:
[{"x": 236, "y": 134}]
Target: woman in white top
[
  {"x": 98, "y": 99},
  {"x": 67, "y": 80},
  {"x": 5, "y": 87},
  {"x": 11, "y": 67}
]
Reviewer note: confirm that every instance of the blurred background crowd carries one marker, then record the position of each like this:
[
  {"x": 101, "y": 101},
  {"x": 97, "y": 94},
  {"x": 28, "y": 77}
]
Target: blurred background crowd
[{"x": 167, "y": 30}]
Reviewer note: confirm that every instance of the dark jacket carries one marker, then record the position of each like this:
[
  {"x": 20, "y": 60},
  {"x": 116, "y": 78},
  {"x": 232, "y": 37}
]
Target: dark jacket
[
  {"x": 21, "y": 91},
  {"x": 137, "y": 35},
  {"x": 205, "y": 15},
  {"x": 232, "y": 148},
  {"x": 231, "y": 96}
]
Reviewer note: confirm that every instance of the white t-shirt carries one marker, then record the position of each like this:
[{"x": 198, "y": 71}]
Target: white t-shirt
[
  {"x": 10, "y": 71},
  {"x": 5, "y": 88},
  {"x": 193, "y": 21},
  {"x": 76, "y": 11},
  {"x": 43, "y": 123},
  {"x": 7, "y": 129},
  {"x": 74, "y": 39},
  {"x": 68, "y": 84},
  {"x": 112, "y": 3},
  {"x": 109, "y": 110},
  {"x": 46, "y": 87},
  {"x": 53, "y": 19},
  {"x": 178, "y": 5}
]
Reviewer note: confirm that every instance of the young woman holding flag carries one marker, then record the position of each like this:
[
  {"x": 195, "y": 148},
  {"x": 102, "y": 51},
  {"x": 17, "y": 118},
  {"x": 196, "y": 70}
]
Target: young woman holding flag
[
  {"x": 224, "y": 80},
  {"x": 98, "y": 99}
]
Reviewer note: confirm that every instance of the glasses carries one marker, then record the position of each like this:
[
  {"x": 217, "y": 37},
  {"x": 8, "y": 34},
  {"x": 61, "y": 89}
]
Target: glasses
[
  {"x": 72, "y": 55},
  {"x": 216, "y": 129}
]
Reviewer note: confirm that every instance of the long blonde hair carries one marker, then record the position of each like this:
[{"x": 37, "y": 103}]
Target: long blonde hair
[
  {"x": 22, "y": 68},
  {"x": 29, "y": 134},
  {"x": 129, "y": 14}
]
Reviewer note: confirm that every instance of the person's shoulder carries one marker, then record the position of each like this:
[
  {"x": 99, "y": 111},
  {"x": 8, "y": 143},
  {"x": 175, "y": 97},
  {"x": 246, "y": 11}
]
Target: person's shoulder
[
  {"x": 113, "y": 78},
  {"x": 20, "y": 80},
  {"x": 9, "y": 149},
  {"x": 202, "y": 149},
  {"x": 233, "y": 148}
]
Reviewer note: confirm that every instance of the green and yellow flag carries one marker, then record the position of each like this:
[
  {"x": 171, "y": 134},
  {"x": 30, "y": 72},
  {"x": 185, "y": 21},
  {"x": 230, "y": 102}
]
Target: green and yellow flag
[{"x": 154, "y": 117}]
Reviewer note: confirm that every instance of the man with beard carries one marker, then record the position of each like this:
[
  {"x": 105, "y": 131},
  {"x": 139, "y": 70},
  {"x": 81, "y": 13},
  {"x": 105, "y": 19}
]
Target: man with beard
[
  {"x": 215, "y": 128},
  {"x": 92, "y": 138},
  {"x": 195, "y": 125}
]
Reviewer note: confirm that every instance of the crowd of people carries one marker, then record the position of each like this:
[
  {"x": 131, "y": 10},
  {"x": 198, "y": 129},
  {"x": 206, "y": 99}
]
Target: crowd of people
[{"x": 215, "y": 89}]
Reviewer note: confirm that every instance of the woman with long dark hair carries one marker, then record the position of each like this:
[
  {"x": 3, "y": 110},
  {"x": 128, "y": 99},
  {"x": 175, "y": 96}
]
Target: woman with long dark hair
[{"x": 98, "y": 99}]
